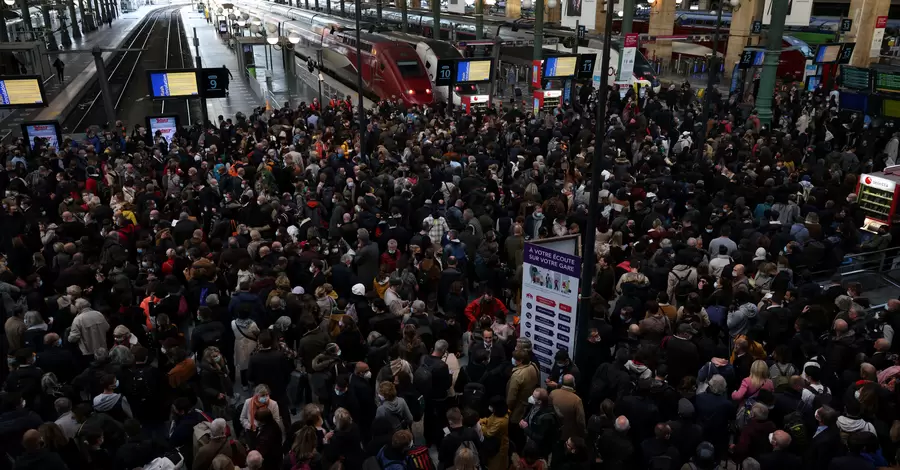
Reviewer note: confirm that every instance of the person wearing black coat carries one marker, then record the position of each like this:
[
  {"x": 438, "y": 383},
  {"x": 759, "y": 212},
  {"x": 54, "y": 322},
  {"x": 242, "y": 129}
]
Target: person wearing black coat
[
  {"x": 780, "y": 458},
  {"x": 360, "y": 385},
  {"x": 454, "y": 435},
  {"x": 682, "y": 355},
  {"x": 686, "y": 433},
  {"x": 270, "y": 366},
  {"x": 342, "y": 277},
  {"x": 714, "y": 410},
  {"x": 826, "y": 443},
  {"x": 342, "y": 396},
  {"x": 14, "y": 422},
  {"x": 36, "y": 457},
  {"x": 343, "y": 445},
  {"x": 56, "y": 359},
  {"x": 26, "y": 378},
  {"x": 640, "y": 409},
  {"x": 856, "y": 444}
]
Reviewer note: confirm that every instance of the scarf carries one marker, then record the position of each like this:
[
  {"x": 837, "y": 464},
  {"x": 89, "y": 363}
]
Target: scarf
[{"x": 255, "y": 406}]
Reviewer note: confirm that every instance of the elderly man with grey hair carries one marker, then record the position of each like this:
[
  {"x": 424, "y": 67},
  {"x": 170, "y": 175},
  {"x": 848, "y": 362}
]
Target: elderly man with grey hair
[
  {"x": 342, "y": 277},
  {"x": 88, "y": 329},
  {"x": 219, "y": 444},
  {"x": 714, "y": 410},
  {"x": 254, "y": 460}
]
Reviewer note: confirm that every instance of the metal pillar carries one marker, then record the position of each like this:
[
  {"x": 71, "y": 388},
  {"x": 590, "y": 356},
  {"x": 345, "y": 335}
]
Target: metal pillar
[
  {"x": 76, "y": 30},
  {"x": 52, "y": 45},
  {"x": 436, "y": 11},
  {"x": 98, "y": 14},
  {"x": 711, "y": 80},
  {"x": 87, "y": 21},
  {"x": 404, "y": 15},
  {"x": 204, "y": 113},
  {"x": 26, "y": 19},
  {"x": 539, "y": 30},
  {"x": 343, "y": 8},
  {"x": 628, "y": 15},
  {"x": 319, "y": 78},
  {"x": 359, "y": 82},
  {"x": 479, "y": 19},
  {"x": 103, "y": 80},
  {"x": 764, "y": 97},
  {"x": 328, "y": 6},
  {"x": 379, "y": 10},
  {"x": 577, "y": 36},
  {"x": 4, "y": 33},
  {"x": 590, "y": 256}
]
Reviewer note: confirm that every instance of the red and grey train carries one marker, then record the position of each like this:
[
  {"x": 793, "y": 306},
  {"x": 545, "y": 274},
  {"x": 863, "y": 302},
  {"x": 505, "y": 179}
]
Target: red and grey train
[{"x": 389, "y": 67}]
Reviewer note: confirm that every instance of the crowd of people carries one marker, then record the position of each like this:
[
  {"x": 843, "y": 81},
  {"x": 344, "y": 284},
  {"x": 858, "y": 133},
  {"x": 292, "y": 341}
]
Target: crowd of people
[{"x": 281, "y": 291}]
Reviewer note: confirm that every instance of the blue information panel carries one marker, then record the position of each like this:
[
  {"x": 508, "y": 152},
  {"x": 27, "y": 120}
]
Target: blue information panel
[
  {"x": 473, "y": 71},
  {"x": 22, "y": 92},
  {"x": 560, "y": 67},
  {"x": 173, "y": 84}
]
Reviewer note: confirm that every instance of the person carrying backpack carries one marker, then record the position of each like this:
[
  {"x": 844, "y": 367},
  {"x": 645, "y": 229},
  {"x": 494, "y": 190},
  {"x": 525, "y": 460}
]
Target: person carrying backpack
[
  {"x": 401, "y": 454},
  {"x": 682, "y": 281}
]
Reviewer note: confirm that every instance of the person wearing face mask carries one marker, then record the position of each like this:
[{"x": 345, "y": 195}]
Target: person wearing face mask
[
  {"x": 261, "y": 400},
  {"x": 215, "y": 386},
  {"x": 562, "y": 366},
  {"x": 56, "y": 359},
  {"x": 271, "y": 366},
  {"x": 524, "y": 379},
  {"x": 360, "y": 385},
  {"x": 540, "y": 423},
  {"x": 110, "y": 401}
]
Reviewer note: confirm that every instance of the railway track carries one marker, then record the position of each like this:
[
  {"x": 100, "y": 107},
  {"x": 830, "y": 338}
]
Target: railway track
[{"x": 161, "y": 43}]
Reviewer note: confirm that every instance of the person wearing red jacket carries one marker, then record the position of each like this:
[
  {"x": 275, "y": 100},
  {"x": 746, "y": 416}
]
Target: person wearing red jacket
[{"x": 488, "y": 305}]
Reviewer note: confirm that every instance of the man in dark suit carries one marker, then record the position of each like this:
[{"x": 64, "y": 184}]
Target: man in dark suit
[
  {"x": 780, "y": 458},
  {"x": 495, "y": 351},
  {"x": 360, "y": 385},
  {"x": 682, "y": 354},
  {"x": 342, "y": 277},
  {"x": 826, "y": 444},
  {"x": 57, "y": 359}
]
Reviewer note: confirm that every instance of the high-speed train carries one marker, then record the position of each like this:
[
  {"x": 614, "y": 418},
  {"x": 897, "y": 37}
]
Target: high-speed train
[
  {"x": 389, "y": 67},
  {"x": 461, "y": 27}
]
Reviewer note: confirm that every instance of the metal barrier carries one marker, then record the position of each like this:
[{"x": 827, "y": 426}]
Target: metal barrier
[{"x": 874, "y": 270}]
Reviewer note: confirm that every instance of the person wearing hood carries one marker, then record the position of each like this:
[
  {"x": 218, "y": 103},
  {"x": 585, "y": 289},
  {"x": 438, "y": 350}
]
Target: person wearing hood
[
  {"x": 326, "y": 367},
  {"x": 852, "y": 422},
  {"x": 392, "y": 405},
  {"x": 740, "y": 320},
  {"x": 36, "y": 456},
  {"x": 110, "y": 402}
]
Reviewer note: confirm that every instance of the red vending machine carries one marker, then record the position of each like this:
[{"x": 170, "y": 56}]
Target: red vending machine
[
  {"x": 877, "y": 197},
  {"x": 475, "y": 102},
  {"x": 546, "y": 100}
]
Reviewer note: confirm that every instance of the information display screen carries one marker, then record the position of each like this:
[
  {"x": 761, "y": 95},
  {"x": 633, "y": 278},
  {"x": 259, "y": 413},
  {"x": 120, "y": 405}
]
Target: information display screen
[
  {"x": 828, "y": 53},
  {"x": 887, "y": 81},
  {"x": 856, "y": 78},
  {"x": 23, "y": 91},
  {"x": 891, "y": 108},
  {"x": 473, "y": 71},
  {"x": 171, "y": 84},
  {"x": 854, "y": 102},
  {"x": 46, "y": 130},
  {"x": 560, "y": 67},
  {"x": 166, "y": 125},
  {"x": 585, "y": 69}
]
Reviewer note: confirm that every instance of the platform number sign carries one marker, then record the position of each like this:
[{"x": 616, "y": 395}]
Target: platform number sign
[
  {"x": 214, "y": 82},
  {"x": 582, "y": 31},
  {"x": 846, "y": 25},
  {"x": 756, "y": 27},
  {"x": 584, "y": 70},
  {"x": 846, "y": 53},
  {"x": 746, "y": 59},
  {"x": 445, "y": 70}
]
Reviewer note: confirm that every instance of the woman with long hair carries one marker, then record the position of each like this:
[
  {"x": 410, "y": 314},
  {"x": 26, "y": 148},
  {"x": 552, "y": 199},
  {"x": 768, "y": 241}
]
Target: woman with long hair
[
  {"x": 215, "y": 386},
  {"x": 411, "y": 346},
  {"x": 268, "y": 439},
  {"x": 303, "y": 451},
  {"x": 758, "y": 380}
]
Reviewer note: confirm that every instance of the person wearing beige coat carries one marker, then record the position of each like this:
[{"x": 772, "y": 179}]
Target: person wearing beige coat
[
  {"x": 569, "y": 408},
  {"x": 525, "y": 378}
]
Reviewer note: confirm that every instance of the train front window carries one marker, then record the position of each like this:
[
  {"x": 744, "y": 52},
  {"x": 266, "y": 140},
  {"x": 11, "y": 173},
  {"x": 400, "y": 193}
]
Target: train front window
[{"x": 409, "y": 68}]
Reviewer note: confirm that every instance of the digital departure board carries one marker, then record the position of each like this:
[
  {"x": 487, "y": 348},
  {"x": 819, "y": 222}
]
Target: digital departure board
[
  {"x": 473, "y": 71},
  {"x": 22, "y": 92},
  {"x": 585, "y": 68},
  {"x": 560, "y": 67},
  {"x": 173, "y": 84},
  {"x": 887, "y": 81},
  {"x": 856, "y": 78},
  {"x": 166, "y": 125},
  {"x": 827, "y": 53},
  {"x": 890, "y": 108}
]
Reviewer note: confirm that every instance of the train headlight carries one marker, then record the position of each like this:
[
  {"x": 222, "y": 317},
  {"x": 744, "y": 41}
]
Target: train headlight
[
  {"x": 410, "y": 92},
  {"x": 428, "y": 91}
]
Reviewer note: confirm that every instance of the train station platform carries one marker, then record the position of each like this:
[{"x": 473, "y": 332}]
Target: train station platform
[
  {"x": 79, "y": 73},
  {"x": 245, "y": 92}
]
